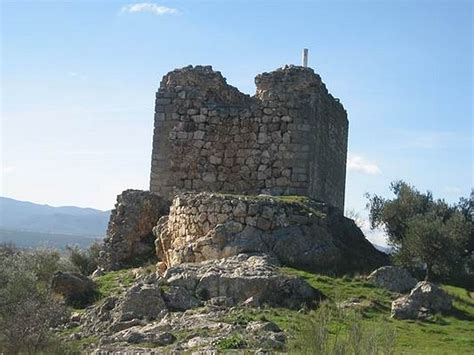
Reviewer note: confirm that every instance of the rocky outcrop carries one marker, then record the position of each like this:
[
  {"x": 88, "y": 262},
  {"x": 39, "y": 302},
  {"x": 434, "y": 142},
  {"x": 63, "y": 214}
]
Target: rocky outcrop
[
  {"x": 76, "y": 289},
  {"x": 297, "y": 231},
  {"x": 205, "y": 330},
  {"x": 242, "y": 280},
  {"x": 129, "y": 239},
  {"x": 424, "y": 300},
  {"x": 393, "y": 278}
]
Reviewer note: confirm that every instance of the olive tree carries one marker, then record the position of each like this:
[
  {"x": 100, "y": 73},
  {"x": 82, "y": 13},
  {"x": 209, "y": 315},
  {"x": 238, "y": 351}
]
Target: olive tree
[{"x": 423, "y": 231}]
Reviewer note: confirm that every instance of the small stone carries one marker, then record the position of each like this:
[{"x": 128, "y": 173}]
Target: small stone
[
  {"x": 240, "y": 210},
  {"x": 215, "y": 160},
  {"x": 202, "y": 217},
  {"x": 263, "y": 224},
  {"x": 199, "y": 135},
  {"x": 209, "y": 177}
]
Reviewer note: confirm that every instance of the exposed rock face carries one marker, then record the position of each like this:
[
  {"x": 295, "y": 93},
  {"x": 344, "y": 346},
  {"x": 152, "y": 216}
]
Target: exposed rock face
[
  {"x": 140, "y": 304},
  {"x": 129, "y": 236},
  {"x": 424, "y": 300},
  {"x": 206, "y": 330},
  {"x": 289, "y": 139},
  {"x": 392, "y": 278},
  {"x": 76, "y": 289},
  {"x": 254, "y": 280},
  {"x": 297, "y": 231},
  {"x": 242, "y": 280}
]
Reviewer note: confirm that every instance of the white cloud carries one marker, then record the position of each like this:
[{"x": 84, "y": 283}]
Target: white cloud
[
  {"x": 360, "y": 164},
  {"x": 155, "y": 9}
]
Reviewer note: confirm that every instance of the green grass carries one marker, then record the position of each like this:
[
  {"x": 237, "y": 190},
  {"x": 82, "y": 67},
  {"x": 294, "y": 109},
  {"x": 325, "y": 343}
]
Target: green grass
[
  {"x": 443, "y": 334},
  {"x": 78, "y": 346},
  {"x": 114, "y": 282},
  {"x": 233, "y": 341},
  {"x": 303, "y": 203},
  {"x": 451, "y": 333}
]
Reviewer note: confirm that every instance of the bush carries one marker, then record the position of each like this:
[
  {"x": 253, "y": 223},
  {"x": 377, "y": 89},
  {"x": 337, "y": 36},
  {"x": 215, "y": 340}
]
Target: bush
[
  {"x": 85, "y": 261},
  {"x": 27, "y": 308},
  {"x": 234, "y": 341}
]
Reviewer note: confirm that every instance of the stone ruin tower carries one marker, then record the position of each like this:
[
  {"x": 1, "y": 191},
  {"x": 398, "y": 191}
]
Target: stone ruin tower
[{"x": 290, "y": 138}]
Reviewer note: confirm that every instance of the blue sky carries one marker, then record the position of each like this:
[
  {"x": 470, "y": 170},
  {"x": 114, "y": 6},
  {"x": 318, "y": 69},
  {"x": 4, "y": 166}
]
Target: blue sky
[{"x": 78, "y": 80}]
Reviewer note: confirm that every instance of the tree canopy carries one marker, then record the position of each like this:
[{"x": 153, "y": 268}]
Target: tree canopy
[{"x": 424, "y": 231}]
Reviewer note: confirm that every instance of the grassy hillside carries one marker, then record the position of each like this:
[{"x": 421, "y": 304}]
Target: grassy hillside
[{"x": 443, "y": 334}]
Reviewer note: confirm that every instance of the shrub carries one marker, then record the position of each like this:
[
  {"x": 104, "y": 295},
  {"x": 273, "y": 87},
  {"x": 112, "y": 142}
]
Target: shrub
[
  {"x": 233, "y": 341},
  {"x": 85, "y": 261},
  {"x": 27, "y": 309}
]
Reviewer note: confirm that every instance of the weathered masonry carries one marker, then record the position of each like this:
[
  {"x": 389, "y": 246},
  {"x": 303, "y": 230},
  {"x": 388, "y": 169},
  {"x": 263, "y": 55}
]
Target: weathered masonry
[{"x": 288, "y": 139}]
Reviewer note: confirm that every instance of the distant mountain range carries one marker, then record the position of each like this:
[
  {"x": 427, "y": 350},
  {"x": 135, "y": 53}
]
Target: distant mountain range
[{"x": 29, "y": 224}]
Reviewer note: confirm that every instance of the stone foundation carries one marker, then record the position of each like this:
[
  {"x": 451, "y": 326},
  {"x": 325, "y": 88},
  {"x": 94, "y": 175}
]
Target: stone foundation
[{"x": 297, "y": 231}]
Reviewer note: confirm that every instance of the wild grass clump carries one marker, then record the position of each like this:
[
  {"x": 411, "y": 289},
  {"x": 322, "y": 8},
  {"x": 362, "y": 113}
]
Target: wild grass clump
[
  {"x": 233, "y": 341},
  {"x": 114, "y": 282},
  {"x": 335, "y": 330}
]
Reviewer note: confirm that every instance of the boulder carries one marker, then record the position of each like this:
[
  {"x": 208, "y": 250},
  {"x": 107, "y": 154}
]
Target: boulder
[
  {"x": 129, "y": 240},
  {"x": 424, "y": 300},
  {"x": 204, "y": 329},
  {"x": 392, "y": 278},
  {"x": 136, "y": 335},
  {"x": 297, "y": 231},
  {"x": 241, "y": 280},
  {"x": 235, "y": 280},
  {"x": 140, "y": 302},
  {"x": 76, "y": 288},
  {"x": 179, "y": 298}
]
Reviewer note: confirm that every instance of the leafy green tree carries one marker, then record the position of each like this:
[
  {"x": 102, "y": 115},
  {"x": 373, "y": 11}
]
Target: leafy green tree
[
  {"x": 435, "y": 243},
  {"x": 393, "y": 215},
  {"x": 423, "y": 231}
]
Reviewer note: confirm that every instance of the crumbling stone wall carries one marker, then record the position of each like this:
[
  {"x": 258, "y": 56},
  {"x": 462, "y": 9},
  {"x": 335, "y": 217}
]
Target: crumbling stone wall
[
  {"x": 289, "y": 139},
  {"x": 129, "y": 239},
  {"x": 297, "y": 231}
]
